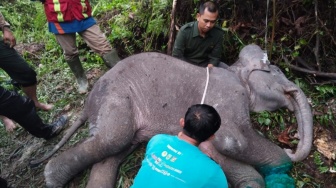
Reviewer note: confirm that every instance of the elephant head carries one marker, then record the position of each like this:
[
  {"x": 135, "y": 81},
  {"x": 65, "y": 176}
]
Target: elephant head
[{"x": 269, "y": 89}]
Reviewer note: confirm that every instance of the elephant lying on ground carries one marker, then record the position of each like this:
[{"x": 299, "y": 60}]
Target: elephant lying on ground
[{"x": 148, "y": 93}]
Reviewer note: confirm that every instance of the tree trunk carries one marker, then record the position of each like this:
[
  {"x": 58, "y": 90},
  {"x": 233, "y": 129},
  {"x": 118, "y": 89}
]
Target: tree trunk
[{"x": 172, "y": 29}]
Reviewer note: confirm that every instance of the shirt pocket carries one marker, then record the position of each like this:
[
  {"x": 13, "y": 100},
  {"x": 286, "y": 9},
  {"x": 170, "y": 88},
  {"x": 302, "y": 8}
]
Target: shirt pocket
[{"x": 210, "y": 47}]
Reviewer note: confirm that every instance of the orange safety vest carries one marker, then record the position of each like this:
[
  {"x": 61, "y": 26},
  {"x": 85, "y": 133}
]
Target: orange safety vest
[{"x": 67, "y": 10}]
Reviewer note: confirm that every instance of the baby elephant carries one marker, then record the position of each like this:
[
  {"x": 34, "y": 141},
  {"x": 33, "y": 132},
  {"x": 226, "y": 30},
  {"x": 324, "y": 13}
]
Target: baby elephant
[{"x": 145, "y": 94}]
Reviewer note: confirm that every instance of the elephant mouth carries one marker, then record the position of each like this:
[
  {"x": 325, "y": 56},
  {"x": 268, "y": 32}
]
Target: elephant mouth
[{"x": 290, "y": 94}]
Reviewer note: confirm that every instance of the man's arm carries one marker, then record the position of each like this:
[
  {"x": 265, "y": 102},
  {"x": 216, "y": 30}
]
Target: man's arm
[
  {"x": 3, "y": 22},
  {"x": 179, "y": 45},
  {"x": 216, "y": 52},
  {"x": 8, "y": 36}
]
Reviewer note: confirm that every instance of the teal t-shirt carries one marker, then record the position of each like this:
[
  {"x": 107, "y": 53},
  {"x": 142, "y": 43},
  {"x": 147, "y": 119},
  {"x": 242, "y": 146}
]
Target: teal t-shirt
[{"x": 171, "y": 162}]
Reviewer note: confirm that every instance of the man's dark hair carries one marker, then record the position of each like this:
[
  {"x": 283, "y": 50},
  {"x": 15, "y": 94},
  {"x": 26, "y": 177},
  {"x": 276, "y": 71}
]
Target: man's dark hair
[
  {"x": 211, "y": 6},
  {"x": 201, "y": 122}
]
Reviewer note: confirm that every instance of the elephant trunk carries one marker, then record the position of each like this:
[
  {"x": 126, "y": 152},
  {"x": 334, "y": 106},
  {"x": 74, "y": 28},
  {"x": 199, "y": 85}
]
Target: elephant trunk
[{"x": 305, "y": 126}]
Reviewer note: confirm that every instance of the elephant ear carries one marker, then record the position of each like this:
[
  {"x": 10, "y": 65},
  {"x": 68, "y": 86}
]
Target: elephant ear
[{"x": 251, "y": 58}]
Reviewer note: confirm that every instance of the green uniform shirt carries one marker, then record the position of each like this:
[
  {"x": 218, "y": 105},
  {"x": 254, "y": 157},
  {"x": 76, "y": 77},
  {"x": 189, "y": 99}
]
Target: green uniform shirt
[{"x": 190, "y": 46}]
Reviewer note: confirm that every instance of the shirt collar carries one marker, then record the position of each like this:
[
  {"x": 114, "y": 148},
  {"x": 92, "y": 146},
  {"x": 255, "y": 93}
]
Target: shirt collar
[{"x": 196, "y": 32}]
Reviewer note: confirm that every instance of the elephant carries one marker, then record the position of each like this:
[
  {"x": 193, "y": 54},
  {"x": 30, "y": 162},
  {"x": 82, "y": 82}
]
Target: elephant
[{"x": 146, "y": 94}]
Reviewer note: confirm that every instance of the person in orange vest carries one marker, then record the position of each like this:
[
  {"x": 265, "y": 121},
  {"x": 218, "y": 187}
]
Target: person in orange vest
[{"x": 65, "y": 19}]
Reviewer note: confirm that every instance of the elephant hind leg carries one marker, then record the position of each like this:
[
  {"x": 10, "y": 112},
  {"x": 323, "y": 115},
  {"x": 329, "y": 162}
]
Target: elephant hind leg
[{"x": 104, "y": 174}]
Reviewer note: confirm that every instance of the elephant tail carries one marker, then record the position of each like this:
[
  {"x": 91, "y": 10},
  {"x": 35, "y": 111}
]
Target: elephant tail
[{"x": 78, "y": 123}]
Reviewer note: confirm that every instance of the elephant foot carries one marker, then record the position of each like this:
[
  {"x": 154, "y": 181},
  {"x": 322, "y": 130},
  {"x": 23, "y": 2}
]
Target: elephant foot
[
  {"x": 252, "y": 184},
  {"x": 247, "y": 180},
  {"x": 55, "y": 176}
]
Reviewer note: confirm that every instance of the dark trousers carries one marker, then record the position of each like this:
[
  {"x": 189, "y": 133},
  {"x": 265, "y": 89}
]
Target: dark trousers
[
  {"x": 3, "y": 183},
  {"x": 22, "y": 110},
  {"x": 15, "y": 66}
]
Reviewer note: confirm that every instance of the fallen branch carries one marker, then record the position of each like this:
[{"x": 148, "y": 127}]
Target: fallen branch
[
  {"x": 303, "y": 63},
  {"x": 317, "y": 42},
  {"x": 327, "y": 30},
  {"x": 324, "y": 82},
  {"x": 315, "y": 73}
]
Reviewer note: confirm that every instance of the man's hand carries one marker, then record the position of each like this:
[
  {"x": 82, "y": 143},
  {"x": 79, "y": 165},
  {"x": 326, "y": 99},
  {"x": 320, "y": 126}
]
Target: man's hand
[
  {"x": 210, "y": 65},
  {"x": 8, "y": 37}
]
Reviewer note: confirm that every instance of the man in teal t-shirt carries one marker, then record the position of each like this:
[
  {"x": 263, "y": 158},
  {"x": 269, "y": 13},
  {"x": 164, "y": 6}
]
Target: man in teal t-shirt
[{"x": 176, "y": 161}]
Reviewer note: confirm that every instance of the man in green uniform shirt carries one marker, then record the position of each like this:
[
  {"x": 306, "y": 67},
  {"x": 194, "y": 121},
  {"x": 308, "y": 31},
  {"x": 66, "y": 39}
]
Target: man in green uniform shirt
[{"x": 200, "y": 42}]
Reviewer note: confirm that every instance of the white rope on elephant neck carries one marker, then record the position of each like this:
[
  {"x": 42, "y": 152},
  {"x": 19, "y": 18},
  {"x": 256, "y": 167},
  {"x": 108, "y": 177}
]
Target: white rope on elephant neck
[{"x": 206, "y": 86}]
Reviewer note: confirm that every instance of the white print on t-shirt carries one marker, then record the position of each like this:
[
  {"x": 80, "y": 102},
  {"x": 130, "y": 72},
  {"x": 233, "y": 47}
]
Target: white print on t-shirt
[
  {"x": 173, "y": 149},
  {"x": 160, "y": 163},
  {"x": 164, "y": 172}
]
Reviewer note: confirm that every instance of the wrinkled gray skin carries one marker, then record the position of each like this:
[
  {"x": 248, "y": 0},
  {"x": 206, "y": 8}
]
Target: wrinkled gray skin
[{"x": 148, "y": 93}]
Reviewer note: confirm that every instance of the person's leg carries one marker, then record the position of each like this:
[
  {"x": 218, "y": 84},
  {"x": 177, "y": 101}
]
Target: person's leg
[
  {"x": 71, "y": 56},
  {"x": 22, "y": 110},
  {"x": 19, "y": 70},
  {"x": 30, "y": 91},
  {"x": 98, "y": 42},
  {"x": 3, "y": 183}
]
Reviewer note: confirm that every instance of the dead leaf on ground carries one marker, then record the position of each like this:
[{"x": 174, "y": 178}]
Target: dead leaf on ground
[
  {"x": 325, "y": 144},
  {"x": 284, "y": 137}
]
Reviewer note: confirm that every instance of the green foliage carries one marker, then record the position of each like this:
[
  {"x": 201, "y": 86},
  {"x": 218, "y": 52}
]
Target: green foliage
[
  {"x": 303, "y": 85},
  {"x": 321, "y": 95},
  {"x": 27, "y": 19},
  {"x": 135, "y": 24},
  {"x": 130, "y": 167},
  {"x": 326, "y": 118},
  {"x": 271, "y": 119},
  {"x": 264, "y": 119},
  {"x": 320, "y": 164},
  {"x": 306, "y": 181},
  {"x": 325, "y": 91}
]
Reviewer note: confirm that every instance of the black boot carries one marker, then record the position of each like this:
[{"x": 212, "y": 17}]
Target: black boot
[
  {"x": 57, "y": 126},
  {"x": 77, "y": 69}
]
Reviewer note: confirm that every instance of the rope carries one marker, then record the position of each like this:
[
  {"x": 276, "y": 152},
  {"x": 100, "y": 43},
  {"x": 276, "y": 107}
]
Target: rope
[{"x": 206, "y": 86}]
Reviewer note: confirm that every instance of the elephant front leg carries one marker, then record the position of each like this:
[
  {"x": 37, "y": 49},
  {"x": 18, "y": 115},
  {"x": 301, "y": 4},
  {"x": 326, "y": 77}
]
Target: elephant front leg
[
  {"x": 238, "y": 174},
  {"x": 104, "y": 174},
  {"x": 266, "y": 157}
]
